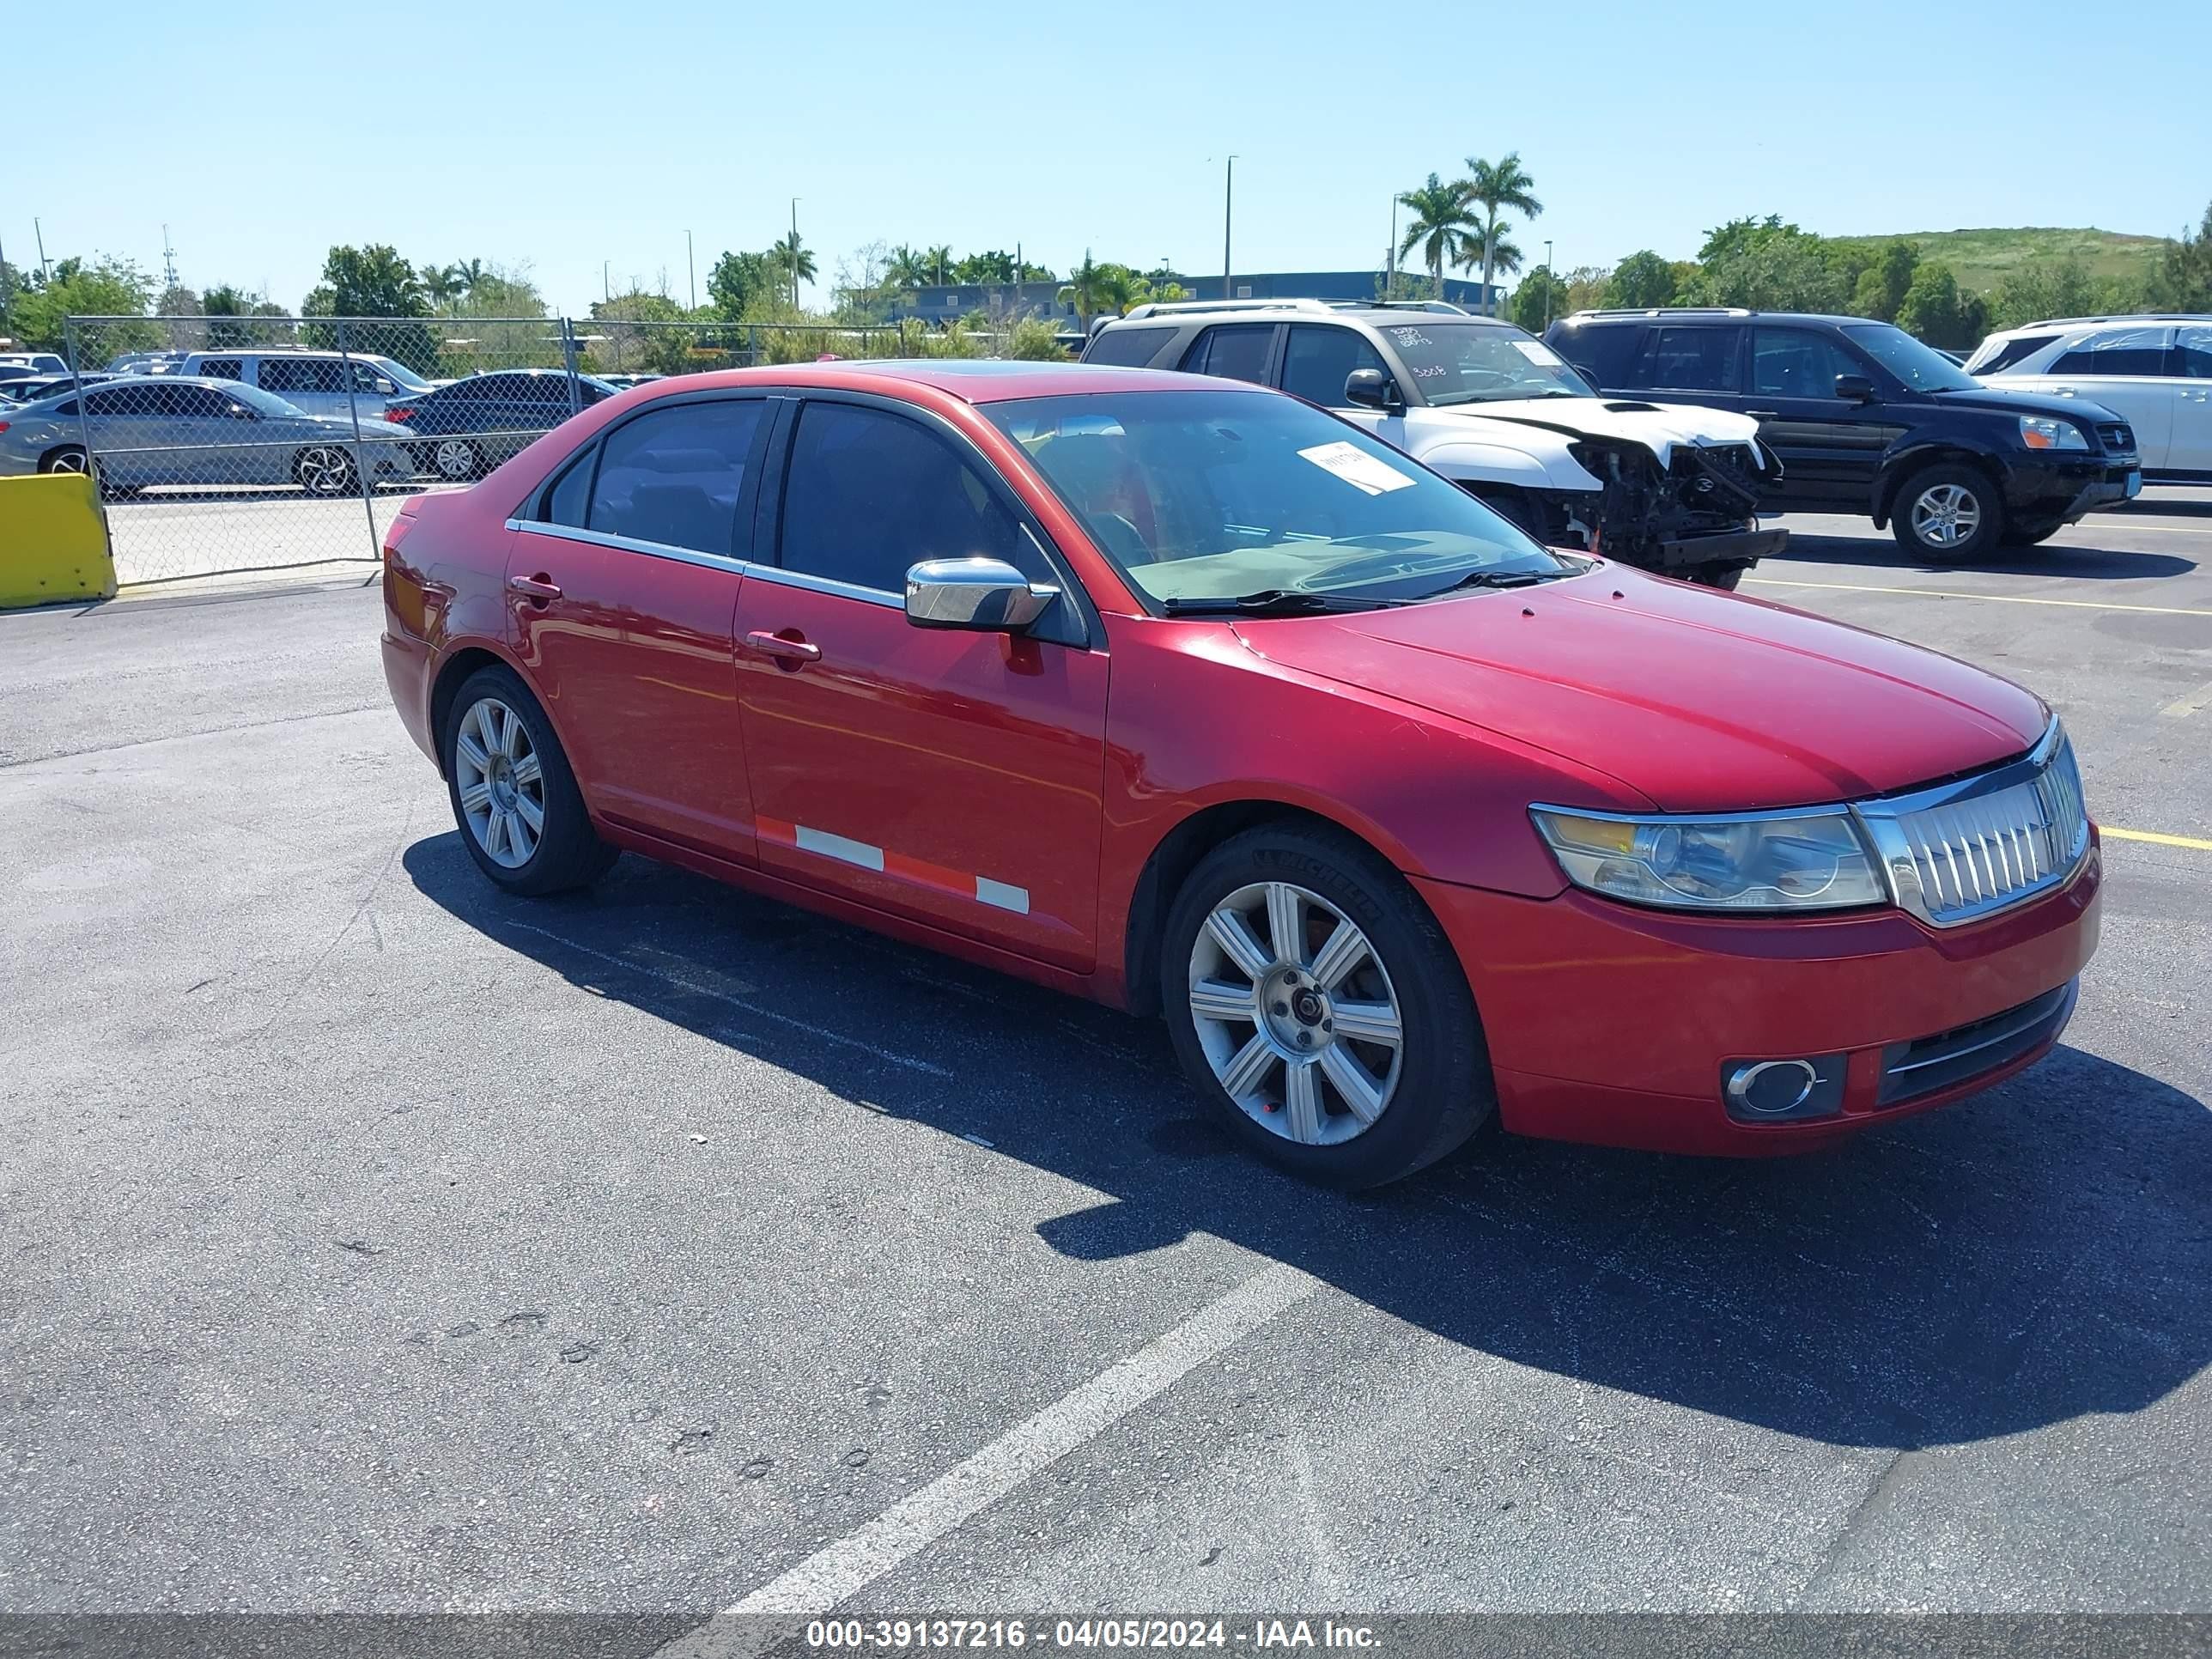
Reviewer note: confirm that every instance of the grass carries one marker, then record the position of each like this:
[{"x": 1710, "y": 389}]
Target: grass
[{"x": 1982, "y": 258}]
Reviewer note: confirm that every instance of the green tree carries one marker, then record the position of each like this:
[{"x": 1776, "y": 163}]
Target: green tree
[
  {"x": 366, "y": 282},
  {"x": 223, "y": 301},
  {"x": 1495, "y": 186},
  {"x": 635, "y": 336},
  {"x": 1441, "y": 227},
  {"x": 1500, "y": 256},
  {"x": 905, "y": 269},
  {"x": 1882, "y": 281},
  {"x": 495, "y": 291},
  {"x": 1642, "y": 280},
  {"x": 1936, "y": 310},
  {"x": 941, "y": 265},
  {"x": 1541, "y": 297},
  {"x": 793, "y": 262},
  {"x": 738, "y": 283},
  {"x": 106, "y": 288},
  {"x": 2045, "y": 288},
  {"x": 2183, "y": 280},
  {"x": 1767, "y": 265},
  {"x": 1091, "y": 289},
  {"x": 1586, "y": 287},
  {"x": 1033, "y": 339}
]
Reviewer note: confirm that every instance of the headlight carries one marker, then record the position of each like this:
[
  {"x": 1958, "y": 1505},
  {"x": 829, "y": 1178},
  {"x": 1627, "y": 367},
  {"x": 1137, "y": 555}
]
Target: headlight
[
  {"x": 2043, "y": 432},
  {"x": 1813, "y": 860}
]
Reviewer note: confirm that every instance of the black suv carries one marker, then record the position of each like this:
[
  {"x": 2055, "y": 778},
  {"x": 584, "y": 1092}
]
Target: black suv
[{"x": 1864, "y": 418}]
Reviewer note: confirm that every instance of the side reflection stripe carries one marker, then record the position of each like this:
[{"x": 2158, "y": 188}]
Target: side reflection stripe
[{"x": 919, "y": 872}]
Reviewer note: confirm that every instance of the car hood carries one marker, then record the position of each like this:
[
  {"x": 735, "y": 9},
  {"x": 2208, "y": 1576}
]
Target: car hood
[
  {"x": 1659, "y": 426},
  {"x": 2023, "y": 402},
  {"x": 1695, "y": 700}
]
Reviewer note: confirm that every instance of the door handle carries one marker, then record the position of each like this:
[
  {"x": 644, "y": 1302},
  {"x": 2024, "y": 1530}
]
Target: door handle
[
  {"x": 793, "y": 652},
  {"x": 1764, "y": 413},
  {"x": 539, "y": 588}
]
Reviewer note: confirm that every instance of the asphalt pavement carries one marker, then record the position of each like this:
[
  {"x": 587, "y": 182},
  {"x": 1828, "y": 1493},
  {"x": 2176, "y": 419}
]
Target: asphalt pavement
[{"x": 376, "y": 1241}]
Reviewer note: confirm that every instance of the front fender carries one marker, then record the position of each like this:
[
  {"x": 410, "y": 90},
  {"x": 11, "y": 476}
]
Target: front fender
[
  {"x": 1913, "y": 452},
  {"x": 1495, "y": 463}
]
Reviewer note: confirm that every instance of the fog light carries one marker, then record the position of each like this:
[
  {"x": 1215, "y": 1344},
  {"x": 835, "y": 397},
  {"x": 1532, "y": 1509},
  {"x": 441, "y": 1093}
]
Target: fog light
[{"x": 1774, "y": 1091}]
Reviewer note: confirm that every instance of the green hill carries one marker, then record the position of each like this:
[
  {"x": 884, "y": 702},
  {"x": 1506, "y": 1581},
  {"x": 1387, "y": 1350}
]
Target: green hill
[{"x": 1983, "y": 258}]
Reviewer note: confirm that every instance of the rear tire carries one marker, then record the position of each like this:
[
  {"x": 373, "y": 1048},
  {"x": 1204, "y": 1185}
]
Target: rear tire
[
  {"x": 1236, "y": 1004},
  {"x": 504, "y": 768},
  {"x": 325, "y": 470},
  {"x": 1949, "y": 514},
  {"x": 456, "y": 459}
]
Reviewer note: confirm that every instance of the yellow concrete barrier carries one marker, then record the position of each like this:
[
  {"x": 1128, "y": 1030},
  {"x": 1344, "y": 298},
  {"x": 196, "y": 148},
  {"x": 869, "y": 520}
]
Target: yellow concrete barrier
[{"x": 53, "y": 541}]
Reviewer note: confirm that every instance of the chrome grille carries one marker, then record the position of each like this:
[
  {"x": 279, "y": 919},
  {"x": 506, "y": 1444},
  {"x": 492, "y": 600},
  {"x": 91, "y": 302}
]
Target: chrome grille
[
  {"x": 2117, "y": 438},
  {"x": 1966, "y": 850}
]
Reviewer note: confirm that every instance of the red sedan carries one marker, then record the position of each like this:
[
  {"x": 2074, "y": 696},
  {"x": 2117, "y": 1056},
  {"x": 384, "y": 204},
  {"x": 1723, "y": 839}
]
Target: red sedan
[{"x": 1189, "y": 697}]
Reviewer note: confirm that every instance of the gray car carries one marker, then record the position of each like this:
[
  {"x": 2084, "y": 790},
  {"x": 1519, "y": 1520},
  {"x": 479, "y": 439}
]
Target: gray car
[{"x": 175, "y": 430}]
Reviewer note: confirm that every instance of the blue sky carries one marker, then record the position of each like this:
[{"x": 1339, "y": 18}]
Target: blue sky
[{"x": 556, "y": 135}]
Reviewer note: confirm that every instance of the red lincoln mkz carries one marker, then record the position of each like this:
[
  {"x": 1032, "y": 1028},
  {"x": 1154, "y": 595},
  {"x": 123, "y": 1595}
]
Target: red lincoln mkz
[{"x": 1189, "y": 697}]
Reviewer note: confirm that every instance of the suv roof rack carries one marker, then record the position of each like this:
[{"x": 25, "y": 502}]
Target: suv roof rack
[
  {"x": 1184, "y": 307},
  {"x": 1665, "y": 311},
  {"x": 1444, "y": 305},
  {"x": 2116, "y": 317}
]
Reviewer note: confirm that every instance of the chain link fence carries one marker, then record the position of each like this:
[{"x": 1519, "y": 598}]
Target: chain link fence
[{"x": 226, "y": 444}]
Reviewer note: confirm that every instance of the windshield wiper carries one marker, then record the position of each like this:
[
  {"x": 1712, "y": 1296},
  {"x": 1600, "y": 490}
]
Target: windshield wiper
[
  {"x": 1273, "y": 602},
  {"x": 1495, "y": 578}
]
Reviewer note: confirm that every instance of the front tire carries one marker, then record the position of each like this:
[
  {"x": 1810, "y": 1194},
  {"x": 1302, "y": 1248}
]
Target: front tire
[
  {"x": 1948, "y": 515},
  {"x": 1312, "y": 998},
  {"x": 1723, "y": 576},
  {"x": 455, "y": 460},
  {"x": 325, "y": 470},
  {"x": 2031, "y": 535},
  {"x": 514, "y": 796}
]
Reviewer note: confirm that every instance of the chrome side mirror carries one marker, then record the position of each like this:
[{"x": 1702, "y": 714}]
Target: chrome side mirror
[{"x": 987, "y": 596}]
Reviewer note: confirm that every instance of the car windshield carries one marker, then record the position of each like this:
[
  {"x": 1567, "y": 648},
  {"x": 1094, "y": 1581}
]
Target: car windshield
[
  {"x": 402, "y": 376},
  {"x": 1217, "y": 496},
  {"x": 1480, "y": 363},
  {"x": 260, "y": 402},
  {"x": 1920, "y": 367}
]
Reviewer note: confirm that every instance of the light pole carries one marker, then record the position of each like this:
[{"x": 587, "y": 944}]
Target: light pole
[
  {"x": 1551, "y": 281},
  {"x": 1390, "y": 254},
  {"x": 691, "y": 269},
  {"x": 1228, "y": 218},
  {"x": 606, "y": 281},
  {"x": 794, "y": 253}
]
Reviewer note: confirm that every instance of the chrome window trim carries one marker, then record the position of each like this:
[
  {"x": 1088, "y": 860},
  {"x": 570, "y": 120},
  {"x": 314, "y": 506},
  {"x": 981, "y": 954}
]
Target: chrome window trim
[
  {"x": 629, "y": 544},
  {"x": 782, "y": 578}
]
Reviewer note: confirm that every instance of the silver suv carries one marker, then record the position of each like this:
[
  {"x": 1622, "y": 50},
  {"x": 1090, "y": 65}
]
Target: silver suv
[
  {"x": 314, "y": 382},
  {"x": 2155, "y": 371}
]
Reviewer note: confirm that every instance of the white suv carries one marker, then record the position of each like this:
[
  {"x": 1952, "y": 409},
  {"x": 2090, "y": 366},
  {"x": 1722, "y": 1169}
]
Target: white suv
[{"x": 2155, "y": 371}]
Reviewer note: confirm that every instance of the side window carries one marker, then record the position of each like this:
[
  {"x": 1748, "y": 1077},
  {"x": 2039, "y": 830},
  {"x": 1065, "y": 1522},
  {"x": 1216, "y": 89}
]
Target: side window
[
  {"x": 2116, "y": 351},
  {"x": 2192, "y": 348},
  {"x": 284, "y": 374},
  {"x": 868, "y": 494},
  {"x": 564, "y": 502},
  {"x": 1319, "y": 360},
  {"x": 547, "y": 392},
  {"x": 222, "y": 368},
  {"x": 673, "y": 475},
  {"x": 1690, "y": 359},
  {"x": 1795, "y": 362},
  {"x": 1236, "y": 352},
  {"x": 199, "y": 403},
  {"x": 1129, "y": 348},
  {"x": 113, "y": 402},
  {"x": 2012, "y": 351}
]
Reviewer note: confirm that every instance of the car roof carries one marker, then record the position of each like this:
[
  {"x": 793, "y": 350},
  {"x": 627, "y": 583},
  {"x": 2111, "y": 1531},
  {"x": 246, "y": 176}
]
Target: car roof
[{"x": 971, "y": 379}]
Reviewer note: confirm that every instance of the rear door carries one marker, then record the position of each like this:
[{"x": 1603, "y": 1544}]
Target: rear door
[
  {"x": 1691, "y": 363},
  {"x": 1234, "y": 352},
  {"x": 2125, "y": 369},
  {"x": 314, "y": 385},
  {"x": 2191, "y": 448},
  {"x": 947, "y": 777},
  {"x": 1831, "y": 447},
  {"x": 622, "y": 582}
]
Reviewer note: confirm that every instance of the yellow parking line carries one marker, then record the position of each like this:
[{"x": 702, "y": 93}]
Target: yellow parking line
[
  {"x": 2193, "y": 841},
  {"x": 2001, "y": 598}
]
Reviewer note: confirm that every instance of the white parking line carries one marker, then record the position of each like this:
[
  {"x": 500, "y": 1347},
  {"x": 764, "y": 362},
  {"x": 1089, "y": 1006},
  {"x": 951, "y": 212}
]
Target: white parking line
[
  {"x": 1995, "y": 598},
  {"x": 920, "y": 1519},
  {"x": 2182, "y": 708}
]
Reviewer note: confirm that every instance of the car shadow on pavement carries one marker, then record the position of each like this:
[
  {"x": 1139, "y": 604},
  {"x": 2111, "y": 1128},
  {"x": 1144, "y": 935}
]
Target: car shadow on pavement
[
  {"x": 2051, "y": 559},
  {"x": 2009, "y": 1263}
]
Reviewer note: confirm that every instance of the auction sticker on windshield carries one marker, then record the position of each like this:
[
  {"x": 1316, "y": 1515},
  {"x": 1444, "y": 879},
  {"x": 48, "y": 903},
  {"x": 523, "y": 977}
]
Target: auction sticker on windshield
[
  {"x": 1357, "y": 468},
  {"x": 1537, "y": 352}
]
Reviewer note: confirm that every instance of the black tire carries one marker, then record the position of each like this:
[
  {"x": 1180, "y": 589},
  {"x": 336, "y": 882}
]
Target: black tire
[
  {"x": 1988, "y": 510},
  {"x": 325, "y": 470},
  {"x": 455, "y": 460},
  {"x": 1723, "y": 576},
  {"x": 2030, "y": 535},
  {"x": 568, "y": 853},
  {"x": 1444, "y": 1089}
]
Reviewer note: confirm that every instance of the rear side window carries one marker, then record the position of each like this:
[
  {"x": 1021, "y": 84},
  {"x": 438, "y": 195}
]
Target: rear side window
[
  {"x": 1319, "y": 360},
  {"x": 1689, "y": 359},
  {"x": 2117, "y": 351},
  {"x": 868, "y": 494},
  {"x": 1129, "y": 348},
  {"x": 1604, "y": 352},
  {"x": 2012, "y": 351},
  {"x": 284, "y": 374},
  {"x": 1234, "y": 353},
  {"x": 2192, "y": 348},
  {"x": 673, "y": 475},
  {"x": 565, "y": 502},
  {"x": 222, "y": 369}
]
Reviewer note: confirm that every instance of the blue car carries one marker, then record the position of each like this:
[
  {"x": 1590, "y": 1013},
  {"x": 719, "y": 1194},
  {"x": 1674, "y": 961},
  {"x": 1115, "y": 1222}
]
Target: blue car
[{"x": 470, "y": 427}]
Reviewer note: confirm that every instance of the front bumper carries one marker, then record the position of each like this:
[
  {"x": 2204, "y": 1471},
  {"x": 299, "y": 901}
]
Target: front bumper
[
  {"x": 1612, "y": 1024},
  {"x": 1737, "y": 547},
  {"x": 2050, "y": 486}
]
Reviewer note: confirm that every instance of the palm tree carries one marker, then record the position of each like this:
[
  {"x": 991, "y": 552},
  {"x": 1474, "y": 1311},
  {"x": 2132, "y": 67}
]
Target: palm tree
[
  {"x": 1494, "y": 188},
  {"x": 906, "y": 268},
  {"x": 1503, "y": 258},
  {"x": 1087, "y": 288},
  {"x": 790, "y": 256},
  {"x": 939, "y": 261},
  {"x": 439, "y": 284},
  {"x": 1440, "y": 225}
]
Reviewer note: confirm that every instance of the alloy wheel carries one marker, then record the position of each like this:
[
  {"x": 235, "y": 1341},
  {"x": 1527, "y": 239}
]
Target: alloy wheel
[
  {"x": 1947, "y": 516},
  {"x": 70, "y": 460},
  {"x": 455, "y": 460},
  {"x": 500, "y": 781},
  {"x": 325, "y": 471},
  {"x": 1296, "y": 1013}
]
